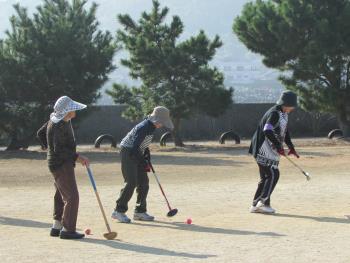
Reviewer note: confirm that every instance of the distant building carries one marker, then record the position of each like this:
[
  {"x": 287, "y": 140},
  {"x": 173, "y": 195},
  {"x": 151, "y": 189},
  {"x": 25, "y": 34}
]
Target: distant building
[{"x": 246, "y": 72}]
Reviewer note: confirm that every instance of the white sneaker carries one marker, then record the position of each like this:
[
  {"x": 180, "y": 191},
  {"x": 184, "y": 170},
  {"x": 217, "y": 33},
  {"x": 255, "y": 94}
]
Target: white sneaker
[
  {"x": 265, "y": 208},
  {"x": 254, "y": 209},
  {"x": 143, "y": 217},
  {"x": 121, "y": 217}
]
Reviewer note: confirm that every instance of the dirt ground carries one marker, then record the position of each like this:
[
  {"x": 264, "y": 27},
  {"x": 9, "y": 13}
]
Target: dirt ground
[{"x": 209, "y": 183}]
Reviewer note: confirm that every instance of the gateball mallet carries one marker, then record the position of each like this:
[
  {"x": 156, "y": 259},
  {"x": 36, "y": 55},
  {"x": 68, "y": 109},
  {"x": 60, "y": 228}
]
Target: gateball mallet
[
  {"x": 307, "y": 175},
  {"x": 110, "y": 235},
  {"x": 172, "y": 211}
]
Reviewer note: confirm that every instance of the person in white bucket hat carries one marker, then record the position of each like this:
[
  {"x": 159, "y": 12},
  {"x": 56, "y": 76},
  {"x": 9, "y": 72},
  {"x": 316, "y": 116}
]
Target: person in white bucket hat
[
  {"x": 58, "y": 136},
  {"x": 63, "y": 106},
  {"x": 135, "y": 158},
  {"x": 161, "y": 115}
]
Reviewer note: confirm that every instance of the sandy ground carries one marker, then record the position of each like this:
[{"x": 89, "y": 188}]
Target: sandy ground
[{"x": 211, "y": 184}]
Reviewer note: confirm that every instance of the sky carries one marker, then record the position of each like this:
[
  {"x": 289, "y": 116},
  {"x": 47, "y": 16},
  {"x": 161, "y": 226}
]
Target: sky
[{"x": 214, "y": 17}]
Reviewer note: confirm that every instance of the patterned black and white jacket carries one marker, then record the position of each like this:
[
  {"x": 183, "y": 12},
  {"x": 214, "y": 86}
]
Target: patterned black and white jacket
[{"x": 272, "y": 131}]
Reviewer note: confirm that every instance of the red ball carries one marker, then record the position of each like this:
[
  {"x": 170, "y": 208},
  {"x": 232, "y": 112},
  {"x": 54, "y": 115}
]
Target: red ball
[
  {"x": 189, "y": 221},
  {"x": 88, "y": 231}
]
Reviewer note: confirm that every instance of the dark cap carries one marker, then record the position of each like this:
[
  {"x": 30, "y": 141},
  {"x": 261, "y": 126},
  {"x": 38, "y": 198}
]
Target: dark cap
[{"x": 288, "y": 99}]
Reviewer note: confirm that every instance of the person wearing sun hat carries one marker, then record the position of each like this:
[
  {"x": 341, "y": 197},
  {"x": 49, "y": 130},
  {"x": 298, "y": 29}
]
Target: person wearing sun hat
[
  {"x": 135, "y": 157},
  {"x": 61, "y": 157}
]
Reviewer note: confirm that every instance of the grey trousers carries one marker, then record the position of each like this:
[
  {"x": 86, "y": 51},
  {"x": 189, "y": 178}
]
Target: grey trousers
[{"x": 135, "y": 176}]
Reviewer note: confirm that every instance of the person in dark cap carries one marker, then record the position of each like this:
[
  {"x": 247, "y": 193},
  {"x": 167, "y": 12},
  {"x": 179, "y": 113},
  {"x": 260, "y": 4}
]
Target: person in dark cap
[{"x": 267, "y": 147}]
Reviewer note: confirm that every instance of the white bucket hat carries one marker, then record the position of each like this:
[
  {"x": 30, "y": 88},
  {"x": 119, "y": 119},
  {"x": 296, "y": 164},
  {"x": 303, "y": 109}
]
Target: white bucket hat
[
  {"x": 63, "y": 106},
  {"x": 161, "y": 115}
]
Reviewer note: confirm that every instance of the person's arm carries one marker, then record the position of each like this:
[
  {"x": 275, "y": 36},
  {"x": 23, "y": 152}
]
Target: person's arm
[
  {"x": 41, "y": 135},
  {"x": 83, "y": 160},
  {"x": 140, "y": 135},
  {"x": 288, "y": 141},
  {"x": 269, "y": 127},
  {"x": 147, "y": 155}
]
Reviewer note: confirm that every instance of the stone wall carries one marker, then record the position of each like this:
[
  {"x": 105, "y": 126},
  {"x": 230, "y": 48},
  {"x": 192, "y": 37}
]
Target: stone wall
[{"x": 241, "y": 118}]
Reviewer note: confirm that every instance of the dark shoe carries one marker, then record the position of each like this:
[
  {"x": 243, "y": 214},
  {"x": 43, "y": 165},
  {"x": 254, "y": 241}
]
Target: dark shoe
[
  {"x": 55, "y": 232},
  {"x": 71, "y": 235}
]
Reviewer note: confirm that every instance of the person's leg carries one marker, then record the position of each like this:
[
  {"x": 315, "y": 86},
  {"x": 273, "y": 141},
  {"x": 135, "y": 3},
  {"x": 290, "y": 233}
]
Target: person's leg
[
  {"x": 276, "y": 176},
  {"x": 129, "y": 171},
  {"x": 57, "y": 214},
  {"x": 272, "y": 176},
  {"x": 142, "y": 190},
  {"x": 67, "y": 186},
  {"x": 58, "y": 206},
  {"x": 261, "y": 184}
]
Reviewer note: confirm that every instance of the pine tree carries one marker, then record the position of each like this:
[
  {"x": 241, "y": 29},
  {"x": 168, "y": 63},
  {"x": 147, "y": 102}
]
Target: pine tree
[
  {"x": 58, "y": 51},
  {"x": 309, "y": 41},
  {"x": 173, "y": 74}
]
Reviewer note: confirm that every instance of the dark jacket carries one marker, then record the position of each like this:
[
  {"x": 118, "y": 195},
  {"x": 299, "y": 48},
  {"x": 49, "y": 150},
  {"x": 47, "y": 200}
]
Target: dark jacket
[
  {"x": 60, "y": 142},
  {"x": 41, "y": 135},
  {"x": 139, "y": 139},
  {"x": 270, "y": 117}
]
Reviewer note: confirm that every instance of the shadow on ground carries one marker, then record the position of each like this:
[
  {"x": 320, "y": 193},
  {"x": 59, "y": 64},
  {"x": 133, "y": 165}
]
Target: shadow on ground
[
  {"x": 114, "y": 157},
  {"x": 127, "y": 246},
  {"x": 205, "y": 229},
  {"x": 9, "y": 221},
  {"x": 317, "y": 218}
]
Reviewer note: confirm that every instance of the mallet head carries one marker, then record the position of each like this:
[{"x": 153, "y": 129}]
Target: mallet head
[
  {"x": 172, "y": 212},
  {"x": 307, "y": 175},
  {"x": 110, "y": 235}
]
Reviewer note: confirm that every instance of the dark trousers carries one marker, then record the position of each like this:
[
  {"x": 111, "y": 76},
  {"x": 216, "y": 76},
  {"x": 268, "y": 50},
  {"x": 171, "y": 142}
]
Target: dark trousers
[
  {"x": 134, "y": 177},
  {"x": 66, "y": 199},
  {"x": 268, "y": 179}
]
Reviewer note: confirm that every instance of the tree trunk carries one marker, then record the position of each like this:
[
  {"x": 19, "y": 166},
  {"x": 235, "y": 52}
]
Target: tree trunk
[
  {"x": 17, "y": 144},
  {"x": 345, "y": 127},
  {"x": 344, "y": 122},
  {"x": 176, "y": 133}
]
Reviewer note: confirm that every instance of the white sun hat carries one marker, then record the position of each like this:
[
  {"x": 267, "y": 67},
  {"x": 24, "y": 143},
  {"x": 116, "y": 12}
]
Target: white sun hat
[
  {"x": 63, "y": 106},
  {"x": 161, "y": 115}
]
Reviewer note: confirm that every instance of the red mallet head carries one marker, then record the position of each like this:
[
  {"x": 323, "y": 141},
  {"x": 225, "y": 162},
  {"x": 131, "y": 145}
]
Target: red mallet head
[{"x": 189, "y": 221}]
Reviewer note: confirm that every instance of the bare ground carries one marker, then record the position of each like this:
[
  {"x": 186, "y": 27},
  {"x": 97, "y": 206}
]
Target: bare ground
[{"x": 209, "y": 183}]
